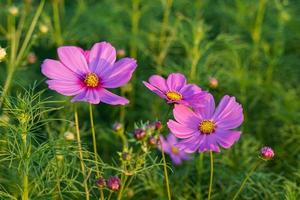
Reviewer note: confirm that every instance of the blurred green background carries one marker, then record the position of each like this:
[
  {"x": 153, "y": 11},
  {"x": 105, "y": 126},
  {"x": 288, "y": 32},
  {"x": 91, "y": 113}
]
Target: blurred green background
[{"x": 250, "y": 46}]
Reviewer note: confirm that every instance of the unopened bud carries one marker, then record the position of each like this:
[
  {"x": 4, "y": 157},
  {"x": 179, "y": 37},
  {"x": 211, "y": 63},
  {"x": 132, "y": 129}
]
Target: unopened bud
[
  {"x": 114, "y": 183},
  {"x": 267, "y": 153},
  {"x": 139, "y": 134},
  {"x": 69, "y": 136}
]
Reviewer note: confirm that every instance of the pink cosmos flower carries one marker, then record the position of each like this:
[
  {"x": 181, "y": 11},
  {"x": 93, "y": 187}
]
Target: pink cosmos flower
[
  {"x": 175, "y": 89},
  {"x": 169, "y": 147},
  {"x": 86, "y": 74},
  {"x": 207, "y": 128}
]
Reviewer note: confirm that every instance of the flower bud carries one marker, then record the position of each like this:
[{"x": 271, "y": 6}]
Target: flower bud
[
  {"x": 2, "y": 53},
  {"x": 114, "y": 183},
  {"x": 213, "y": 82},
  {"x": 31, "y": 58},
  {"x": 153, "y": 141},
  {"x": 129, "y": 193},
  {"x": 13, "y": 10},
  {"x": 267, "y": 153},
  {"x": 100, "y": 182},
  {"x": 121, "y": 53},
  {"x": 117, "y": 127},
  {"x": 43, "y": 28},
  {"x": 139, "y": 134},
  {"x": 126, "y": 156},
  {"x": 69, "y": 136},
  {"x": 59, "y": 157},
  {"x": 158, "y": 125}
]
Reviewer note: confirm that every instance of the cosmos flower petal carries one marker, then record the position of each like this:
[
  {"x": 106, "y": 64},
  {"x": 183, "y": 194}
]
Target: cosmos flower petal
[
  {"x": 111, "y": 98},
  {"x": 88, "y": 95},
  {"x": 176, "y": 81},
  {"x": 102, "y": 56},
  {"x": 208, "y": 108},
  {"x": 73, "y": 59},
  {"x": 171, "y": 139},
  {"x": 119, "y": 74},
  {"x": 155, "y": 90},
  {"x": 54, "y": 69},
  {"x": 226, "y": 138},
  {"x": 198, "y": 100},
  {"x": 209, "y": 143},
  {"x": 158, "y": 82},
  {"x": 190, "y": 145},
  {"x": 165, "y": 145},
  {"x": 185, "y": 115},
  {"x": 229, "y": 113},
  {"x": 189, "y": 90},
  {"x": 179, "y": 130},
  {"x": 68, "y": 88}
]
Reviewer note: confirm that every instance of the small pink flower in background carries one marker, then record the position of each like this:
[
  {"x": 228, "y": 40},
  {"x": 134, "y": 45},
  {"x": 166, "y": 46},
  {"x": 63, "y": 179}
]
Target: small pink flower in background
[
  {"x": 175, "y": 89},
  {"x": 207, "y": 128},
  {"x": 267, "y": 153},
  {"x": 101, "y": 182},
  {"x": 213, "y": 82},
  {"x": 86, "y": 74},
  {"x": 114, "y": 183},
  {"x": 169, "y": 147}
]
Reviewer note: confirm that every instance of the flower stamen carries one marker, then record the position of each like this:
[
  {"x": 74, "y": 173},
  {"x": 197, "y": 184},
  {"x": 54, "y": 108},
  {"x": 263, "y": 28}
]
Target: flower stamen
[
  {"x": 207, "y": 127},
  {"x": 91, "y": 80},
  {"x": 174, "y": 96},
  {"x": 175, "y": 150}
]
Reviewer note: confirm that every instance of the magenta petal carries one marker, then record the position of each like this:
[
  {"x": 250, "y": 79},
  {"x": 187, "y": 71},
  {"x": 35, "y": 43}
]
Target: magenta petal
[
  {"x": 189, "y": 90},
  {"x": 119, "y": 74},
  {"x": 73, "y": 59},
  {"x": 159, "y": 82},
  {"x": 185, "y": 115},
  {"x": 165, "y": 145},
  {"x": 229, "y": 113},
  {"x": 113, "y": 99},
  {"x": 102, "y": 55},
  {"x": 68, "y": 88},
  {"x": 226, "y": 138},
  {"x": 176, "y": 81},
  {"x": 88, "y": 95},
  {"x": 54, "y": 69},
  {"x": 190, "y": 145},
  {"x": 208, "y": 108},
  {"x": 155, "y": 90},
  {"x": 180, "y": 130},
  {"x": 209, "y": 143}
]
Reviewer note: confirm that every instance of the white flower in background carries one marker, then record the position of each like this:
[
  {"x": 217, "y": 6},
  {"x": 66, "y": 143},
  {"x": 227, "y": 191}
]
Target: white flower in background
[
  {"x": 69, "y": 136},
  {"x": 13, "y": 10},
  {"x": 2, "y": 53},
  {"x": 43, "y": 28}
]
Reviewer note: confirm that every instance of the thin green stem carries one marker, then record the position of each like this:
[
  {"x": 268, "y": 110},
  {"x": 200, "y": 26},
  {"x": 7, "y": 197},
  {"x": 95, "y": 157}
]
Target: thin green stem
[
  {"x": 211, "y": 174},
  {"x": 245, "y": 180},
  {"x": 25, "y": 187},
  {"x": 164, "y": 159},
  {"x": 87, "y": 193},
  {"x": 94, "y": 139},
  {"x": 25, "y": 192},
  {"x": 56, "y": 20}
]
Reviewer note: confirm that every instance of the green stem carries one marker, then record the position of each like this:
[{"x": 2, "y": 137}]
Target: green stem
[
  {"x": 25, "y": 187},
  {"x": 87, "y": 193},
  {"x": 56, "y": 20},
  {"x": 94, "y": 139},
  {"x": 25, "y": 192},
  {"x": 211, "y": 174},
  {"x": 245, "y": 180},
  {"x": 164, "y": 159}
]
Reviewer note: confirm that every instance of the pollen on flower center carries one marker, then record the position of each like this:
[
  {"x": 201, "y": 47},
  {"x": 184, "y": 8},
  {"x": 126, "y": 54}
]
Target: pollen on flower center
[
  {"x": 174, "y": 150},
  {"x": 174, "y": 96},
  {"x": 91, "y": 80},
  {"x": 207, "y": 127}
]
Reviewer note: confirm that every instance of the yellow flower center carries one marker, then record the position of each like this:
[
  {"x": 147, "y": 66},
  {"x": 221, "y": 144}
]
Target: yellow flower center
[
  {"x": 207, "y": 127},
  {"x": 174, "y": 150},
  {"x": 91, "y": 80},
  {"x": 174, "y": 96}
]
